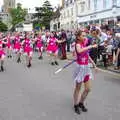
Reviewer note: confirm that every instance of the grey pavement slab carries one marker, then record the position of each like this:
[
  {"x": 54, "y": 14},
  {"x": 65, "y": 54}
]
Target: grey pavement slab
[{"x": 38, "y": 94}]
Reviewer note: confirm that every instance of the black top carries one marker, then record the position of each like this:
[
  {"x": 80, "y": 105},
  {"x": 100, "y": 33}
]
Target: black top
[{"x": 119, "y": 45}]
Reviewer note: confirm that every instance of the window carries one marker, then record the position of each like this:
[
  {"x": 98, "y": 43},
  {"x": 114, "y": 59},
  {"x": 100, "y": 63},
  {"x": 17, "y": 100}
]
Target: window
[
  {"x": 95, "y": 5},
  {"x": 104, "y": 4},
  {"x": 64, "y": 15},
  {"x": 70, "y": 1},
  {"x": 68, "y": 13},
  {"x": 118, "y": 2},
  {"x": 82, "y": 7},
  {"x": 9, "y": 3},
  {"x": 89, "y": 4},
  {"x": 115, "y": 2},
  {"x": 108, "y": 4},
  {"x": 71, "y": 11}
]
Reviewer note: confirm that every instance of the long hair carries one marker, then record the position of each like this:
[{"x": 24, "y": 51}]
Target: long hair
[{"x": 77, "y": 34}]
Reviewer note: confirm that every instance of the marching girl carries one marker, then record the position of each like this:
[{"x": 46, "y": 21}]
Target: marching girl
[
  {"x": 18, "y": 47},
  {"x": 9, "y": 46},
  {"x": 39, "y": 46},
  {"x": 82, "y": 71},
  {"x": 2, "y": 55},
  {"x": 28, "y": 50},
  {"x": 52, "y": 49}
]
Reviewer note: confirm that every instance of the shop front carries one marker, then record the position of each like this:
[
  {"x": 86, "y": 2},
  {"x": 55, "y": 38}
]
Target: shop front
[{"x": 110, "y": 17}]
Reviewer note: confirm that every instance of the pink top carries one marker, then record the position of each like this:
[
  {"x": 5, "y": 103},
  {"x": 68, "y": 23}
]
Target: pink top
[
  {"x": 8, "y": 42},
  {"x": 39, "y": 42},
  {"x": 17, "y": 44},
  {"x": 27, "y": 45},
  {"x": 52, "y": 45},
  {"x": 83, "y": 58},
  {"x": 1, "y": 49},
  {"x": 52, "y": 41}
]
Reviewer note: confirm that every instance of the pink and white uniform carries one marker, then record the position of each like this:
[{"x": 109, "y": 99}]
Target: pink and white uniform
[
  {"x": 52, "y": 45},
  {"x": 8, "y": 43},
  {"x": 39, "y": 43},
  {"x": 82, "y": 71},
  {"x": 2, "y": 53},
  {"x": 27, "y": 47},
  {"x": 17, "y": 44}
]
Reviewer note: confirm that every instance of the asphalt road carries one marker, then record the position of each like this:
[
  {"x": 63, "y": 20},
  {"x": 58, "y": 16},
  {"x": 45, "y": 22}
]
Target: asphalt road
[{"x": 38, "y": 94}]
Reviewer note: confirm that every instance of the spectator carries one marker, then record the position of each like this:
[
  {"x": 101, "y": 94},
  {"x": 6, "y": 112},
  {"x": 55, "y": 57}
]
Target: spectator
[
  {"x": 63, "y": 45},
  {"x": 69, "y": 37},
  {"x": 117, "y": 59}
]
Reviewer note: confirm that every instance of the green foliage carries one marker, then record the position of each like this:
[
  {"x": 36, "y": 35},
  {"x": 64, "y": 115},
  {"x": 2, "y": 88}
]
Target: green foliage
[
  {"x": 44, "y": 14},
  {"x": 18, "y": 14},
  {"x": 3, "y": 27}
]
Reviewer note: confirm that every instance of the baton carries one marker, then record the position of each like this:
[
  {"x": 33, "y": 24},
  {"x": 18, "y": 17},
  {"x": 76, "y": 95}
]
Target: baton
[{"x": 65, "y": 66}]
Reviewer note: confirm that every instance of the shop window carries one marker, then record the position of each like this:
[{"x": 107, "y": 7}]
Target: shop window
[
  {"x": 111, "y": 23},
  {"x": 96, "y": 21},
  {"x": 118, "y": 18},
  {"x": 91, "y": 22}
]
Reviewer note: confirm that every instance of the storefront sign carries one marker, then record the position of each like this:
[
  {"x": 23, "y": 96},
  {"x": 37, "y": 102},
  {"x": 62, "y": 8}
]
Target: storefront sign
[{"x": 93, "y": 16}]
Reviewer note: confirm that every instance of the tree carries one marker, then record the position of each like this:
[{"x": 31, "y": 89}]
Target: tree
[
  {"x": 3, "y": 27},
  {"x": 44, "y": 14},
  {"x": 18, "y": 14},
  {"x": 48, "y": 14}
]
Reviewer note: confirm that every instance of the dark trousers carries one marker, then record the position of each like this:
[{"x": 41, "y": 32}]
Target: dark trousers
[
  {"x": 68, "y": 46},
  {"x": 94, "y": 54},
  {"x": 63, "y": 50},
  {"x": 104, "y": 59}
]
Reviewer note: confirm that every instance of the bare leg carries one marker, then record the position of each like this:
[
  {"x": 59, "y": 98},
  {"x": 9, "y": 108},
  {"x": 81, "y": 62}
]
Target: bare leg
[
  {"x": 77, "y": 92},
  {"x": 76, "y": 97},
  {"x": 2, "y": 63},
  {"x": 87, "y": 86},
  {"x": 55, "y": 58}
]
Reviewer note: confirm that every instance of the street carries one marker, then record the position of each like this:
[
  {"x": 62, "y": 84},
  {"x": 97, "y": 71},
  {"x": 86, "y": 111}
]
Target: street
[{"x": 38, "y": 94}]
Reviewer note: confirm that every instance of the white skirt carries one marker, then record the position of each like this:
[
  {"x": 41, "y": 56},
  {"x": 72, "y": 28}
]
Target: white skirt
[{"x": 80, "y": 72}]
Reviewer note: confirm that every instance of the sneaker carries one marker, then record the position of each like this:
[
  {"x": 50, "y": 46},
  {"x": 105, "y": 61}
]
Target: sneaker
[
  {"x": 19, "y": 60},
  {"x": 2, "y": 68},
  {"x": 83, "y": 108},
  {"x": 77, "y": 110},
  {"x": 29, "y": 65},
  {"x": 56, "y": 63},
  {"x": 52, "y": 63},
  {"x": 40, "y": 57}
]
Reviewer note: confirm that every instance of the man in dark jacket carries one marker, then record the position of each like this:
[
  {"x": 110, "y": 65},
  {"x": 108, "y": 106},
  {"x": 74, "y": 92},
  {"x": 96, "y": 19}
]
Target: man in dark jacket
[{"x": 63, "y": 45}]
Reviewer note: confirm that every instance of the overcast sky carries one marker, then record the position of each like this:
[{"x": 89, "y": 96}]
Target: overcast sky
[{"x": 33, "y": 3}]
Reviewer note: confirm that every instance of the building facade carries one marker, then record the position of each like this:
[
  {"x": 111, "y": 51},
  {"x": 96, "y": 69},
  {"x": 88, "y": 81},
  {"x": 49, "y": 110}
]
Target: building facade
[
  {"x": 68, "y": 16},
  {"x": 77, "y": 13},
  {"x": 99, "y": 11},
  {"x": 8, "y": 4},
  {"x": 5, "y": 18}
]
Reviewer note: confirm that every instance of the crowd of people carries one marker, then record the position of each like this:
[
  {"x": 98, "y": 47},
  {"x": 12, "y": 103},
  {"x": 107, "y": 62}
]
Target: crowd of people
[
  {"x": 58, "y": 43},
  {"x": 89, "y": 44}
]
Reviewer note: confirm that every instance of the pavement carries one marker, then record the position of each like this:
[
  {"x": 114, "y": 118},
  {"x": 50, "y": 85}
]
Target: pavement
[{"x": 38, "y": 94}]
